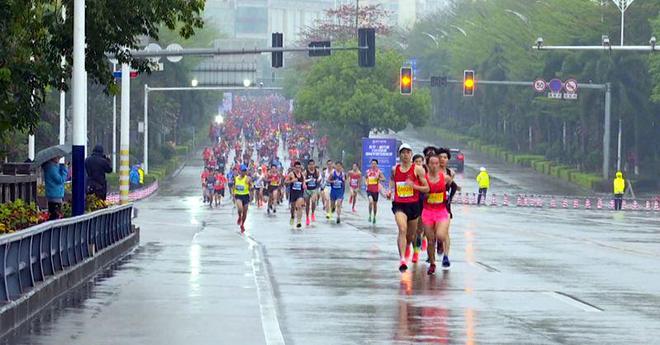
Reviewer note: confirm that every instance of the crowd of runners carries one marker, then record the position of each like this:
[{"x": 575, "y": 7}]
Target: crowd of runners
[{"x": 243, "y": 165}]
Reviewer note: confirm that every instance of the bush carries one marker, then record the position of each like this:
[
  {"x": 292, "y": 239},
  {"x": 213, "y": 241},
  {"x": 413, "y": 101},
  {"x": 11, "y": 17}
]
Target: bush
[
  {"x": 18, "y": 215},
  {"x": 168, "y": 150},
  {"x": 182, "y": 150}
]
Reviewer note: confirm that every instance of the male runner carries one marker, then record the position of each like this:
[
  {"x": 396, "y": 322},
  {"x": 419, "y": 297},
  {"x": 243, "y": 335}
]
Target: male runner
[
  {"x": 296, "y": 182},
  {"x": 259, "y": 187},
  {"x": 373, "y": 180},
  {"x": 407, "y": 181},
  {"x": 354, "y": 179},
  {"x": 312, "y": 180},
  {"x": 273, "y": 188},
  {"x": 434, "y": 214},
  {"x": 337, "y": 182},
  {"x": 327, "y": 172},
  {"x": 220, "y": 182},
  {"x": 242, "y": 185}
]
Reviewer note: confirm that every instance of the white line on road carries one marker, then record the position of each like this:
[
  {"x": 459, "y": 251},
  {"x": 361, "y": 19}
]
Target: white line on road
[
  {"x": 269, "y": 321},
  {"x": 570, "y": 300}
]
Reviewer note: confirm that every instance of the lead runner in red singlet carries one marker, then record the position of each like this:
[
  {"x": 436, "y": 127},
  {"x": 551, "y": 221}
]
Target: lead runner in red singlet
[
  {"x": 435, "y": 216},
  {"x": 407, "y": 181}
]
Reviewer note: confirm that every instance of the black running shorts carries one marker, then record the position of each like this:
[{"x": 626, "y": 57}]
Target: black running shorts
[
  {"x": 373, "y": 195},
  {"x": 411, "y": 209}
]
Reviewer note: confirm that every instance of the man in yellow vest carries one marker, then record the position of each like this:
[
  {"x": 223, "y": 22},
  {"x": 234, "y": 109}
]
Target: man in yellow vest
[
  {"x": 484, "y": 183},
  {"x": 619, "y": 189}
]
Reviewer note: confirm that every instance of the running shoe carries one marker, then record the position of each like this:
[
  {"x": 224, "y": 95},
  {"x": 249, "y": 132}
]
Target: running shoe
[
  {"x": 407, "y": 252},
  {"x": 274, "y": 209},
  {"x": 242, "y": 229},
  {"x": 403, "y": 266},
  {"x": 307, "y": 221},
  {"x": 299, "y": 225},
  {"x": 369, "y": 218},
  {"x": 291, "y": 221},
  {"x": 354, "y": 210},
  {"x": 313, "y": 217},
  {"x": 327, "y": 215},
  {"x": 338, "y": 220},
  {"x": 374, "y": 219},
  {"x": 415, "y": 257},
  {"x": 425, "y": 244},
  {"x": 431, "y": 269},
  {"x": 268, "y": 210},
  {"x": 445, "y": 263}
]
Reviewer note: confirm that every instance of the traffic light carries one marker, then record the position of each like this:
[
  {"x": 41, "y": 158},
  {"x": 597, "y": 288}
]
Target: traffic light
[
  {"x": 468, "y": 82},
  {"x": 406, "y": 80},
  {"x": 277, "y": 57},
  {"x": 319, "y": 44},
  {"x": 367, "y": 38}
]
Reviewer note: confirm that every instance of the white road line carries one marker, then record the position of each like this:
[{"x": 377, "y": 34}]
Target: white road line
[
  {"x": 572, "y": 301},
  {"x": 269, "y": 321}
]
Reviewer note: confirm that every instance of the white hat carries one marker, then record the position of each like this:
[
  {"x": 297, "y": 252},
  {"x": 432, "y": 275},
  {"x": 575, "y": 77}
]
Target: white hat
[
  {"x": 405, "y": 146},
  {"x": 482, "y": 169}
]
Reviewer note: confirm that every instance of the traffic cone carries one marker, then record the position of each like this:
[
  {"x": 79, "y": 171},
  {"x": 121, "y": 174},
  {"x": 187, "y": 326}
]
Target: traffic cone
[
  {"x": 587, "y": 204},
  {"x": 505, "y": 201},
  {"x": 599, "y": 204},
  {"x": 624, "y": 205},
  {"x": 564, "y": 203},
  {"x": 493, "y": 200},
  {"x": 576, "y": 203},
  {"x": 611, "y": 204},
  {"x": 656, "y": 206},
  {"x": 519, "y": 201},
  {"x": 635, "y": 205},
  {"x": 648, "y": 205}
]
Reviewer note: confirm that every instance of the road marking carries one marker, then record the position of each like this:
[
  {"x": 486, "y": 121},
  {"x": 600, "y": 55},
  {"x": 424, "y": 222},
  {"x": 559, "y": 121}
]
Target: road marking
[
  {"x": 487, "y": 267},
  {"x": 573, "y": 301},
  {"x": 269, "y": 321}
]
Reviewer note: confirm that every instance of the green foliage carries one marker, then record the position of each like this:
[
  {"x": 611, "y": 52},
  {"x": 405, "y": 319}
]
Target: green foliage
[
  {"x": 18, "y": 215},
  {"x": 495, "y": 38},
  {"x": 34, "y": 38},
  {"x": 349, "y": 101}
]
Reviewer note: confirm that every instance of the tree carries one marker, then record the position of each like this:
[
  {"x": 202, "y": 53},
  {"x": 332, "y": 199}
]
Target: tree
[
  {"x": 339, "y": 24},
  {"x": 35, "y": 38},
  {"x": 349, "y": 102}
]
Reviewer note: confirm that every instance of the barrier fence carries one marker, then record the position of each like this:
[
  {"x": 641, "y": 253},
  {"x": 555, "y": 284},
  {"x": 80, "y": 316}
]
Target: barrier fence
[
  {"x": 32, "y": 255},
  {"x": 559, "y": 202},
  {"x": 138, "y": 194}
]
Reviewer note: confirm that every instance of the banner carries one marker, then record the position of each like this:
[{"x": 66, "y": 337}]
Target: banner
[{"x": 381, "y": 149}]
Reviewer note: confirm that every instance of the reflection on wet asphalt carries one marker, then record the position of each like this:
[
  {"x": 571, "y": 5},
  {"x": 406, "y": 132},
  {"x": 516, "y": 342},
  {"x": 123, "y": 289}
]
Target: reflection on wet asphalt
[{"x": 519, "y": 276}]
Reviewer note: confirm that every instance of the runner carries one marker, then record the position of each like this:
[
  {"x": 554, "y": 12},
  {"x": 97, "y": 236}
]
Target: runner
[
  {"x": 373, "y": 180},
  {"x": 419, "y": 241},
  {"x": 242, "y": 185},
  {"x": 210, "y": 187},
  {"x": 220, "y": 182},
  {"x": 434, "y": 214},
  {"x": 338, "y": 184},
  {"x": 205, "y": 173},
  {"x": 273, "y": 188},
  {"x": 259, "y": 187},
  {"x": 407, "y": 181},
  {"x": 313, "y": 181},
  {"x": 296, "y": 182},
  {"x": 327, "y": 172},
  {"x": 354, "y": 178}
]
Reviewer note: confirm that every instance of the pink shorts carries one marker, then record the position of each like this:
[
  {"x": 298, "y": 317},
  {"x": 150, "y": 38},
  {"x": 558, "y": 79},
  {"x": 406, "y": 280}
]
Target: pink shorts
[{"x": 431, "y": 217}]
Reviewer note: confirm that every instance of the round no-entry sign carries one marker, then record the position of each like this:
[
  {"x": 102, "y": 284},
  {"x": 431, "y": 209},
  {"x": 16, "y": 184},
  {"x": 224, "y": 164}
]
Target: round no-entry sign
[
  {"x": 571, "y": 85},
  {"x": 539, "y": 85}
]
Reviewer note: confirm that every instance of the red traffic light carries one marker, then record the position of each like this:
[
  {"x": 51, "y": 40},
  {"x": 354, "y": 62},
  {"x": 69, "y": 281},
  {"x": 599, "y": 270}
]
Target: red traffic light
[{"x": 406, "y": 80}]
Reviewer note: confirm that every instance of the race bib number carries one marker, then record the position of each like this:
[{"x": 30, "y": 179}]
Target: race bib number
[
  {"x": 354, "y": 182},
  {"x": 372, "y": 180},
  {"x": 311, "y": 184},
  {"x": 209, "y": 185},
  {"x": 436, "y": 198},
  {"x": 240, "y": 188},
  {"x": 403, "y": 190},
  {"x": 337, "y": 184},
  {"x": 297, "y": 186}
]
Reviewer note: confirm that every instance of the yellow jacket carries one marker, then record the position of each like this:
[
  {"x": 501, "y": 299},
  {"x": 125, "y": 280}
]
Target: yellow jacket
[
  {"x": 619, "y": 183},
  {"x": 483, "y": 180}
]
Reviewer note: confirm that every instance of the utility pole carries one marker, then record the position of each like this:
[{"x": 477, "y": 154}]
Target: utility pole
[
  {"x": 79, "y": 86},
  {"x": 125, "y": 132},
  {"x": 114, "y": 127}
]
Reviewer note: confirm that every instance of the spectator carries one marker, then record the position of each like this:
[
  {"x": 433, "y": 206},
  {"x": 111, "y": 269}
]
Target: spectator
[
  {"x": 141, "y": 174},
  {"x": 134, "y": 178},
  {"x": 96, "y": 166},
  {"x": 54, "y": 177}
]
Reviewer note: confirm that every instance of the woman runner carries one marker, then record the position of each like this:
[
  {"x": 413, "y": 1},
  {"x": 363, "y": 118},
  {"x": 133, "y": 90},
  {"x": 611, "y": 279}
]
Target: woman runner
[{"x": 434, "y": 214}]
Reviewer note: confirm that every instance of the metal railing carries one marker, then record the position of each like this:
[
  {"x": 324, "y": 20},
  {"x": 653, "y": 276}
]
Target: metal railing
[
  {"x": 32, "y": 255},
  {"x": 13, "y": 187}
]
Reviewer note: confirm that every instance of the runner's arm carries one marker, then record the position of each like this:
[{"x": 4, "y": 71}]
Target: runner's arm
[{"x": 424, "y": 187}]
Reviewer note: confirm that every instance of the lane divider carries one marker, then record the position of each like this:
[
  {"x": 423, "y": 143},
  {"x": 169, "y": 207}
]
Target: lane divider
[{"x": 562, "y": 202}]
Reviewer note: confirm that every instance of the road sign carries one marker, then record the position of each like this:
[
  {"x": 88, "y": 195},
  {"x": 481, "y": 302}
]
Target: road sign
[
  {"x": 539, "y": 85},
  {"x": 153, "y": 47},
  {"x": 117, "y": 74},
  {"x": 554, "y": 95},
  {"x": 570, "y": 95},
  {"x": 571, "y": 86},
  {"x": 555, "y": 85},
  {"x": 174, "y": 47}
]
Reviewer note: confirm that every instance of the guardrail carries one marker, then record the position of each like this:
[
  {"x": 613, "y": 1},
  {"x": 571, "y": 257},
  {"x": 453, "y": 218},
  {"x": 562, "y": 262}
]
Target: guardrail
[
  {"x": 32, "y": 255},
  {"x": 14, "y": 187}
]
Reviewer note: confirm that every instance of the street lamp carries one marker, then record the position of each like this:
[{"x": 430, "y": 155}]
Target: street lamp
[
  {"x": 247, "y": 82},
  {"x": 194, "y": 82}
]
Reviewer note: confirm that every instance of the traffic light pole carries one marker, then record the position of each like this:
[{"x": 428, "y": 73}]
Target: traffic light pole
[
  {"x": 215, "y": 52},
  {"x": 607, "y": 88}
]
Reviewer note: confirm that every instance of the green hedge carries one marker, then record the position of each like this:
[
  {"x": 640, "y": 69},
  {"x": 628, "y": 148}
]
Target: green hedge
[{"x": 537, "y": 162}]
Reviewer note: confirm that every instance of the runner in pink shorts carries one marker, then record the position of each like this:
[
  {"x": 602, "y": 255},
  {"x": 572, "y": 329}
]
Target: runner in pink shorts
[{"x": 435, "y": 217}]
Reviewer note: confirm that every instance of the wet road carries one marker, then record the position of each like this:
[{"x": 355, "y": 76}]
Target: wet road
[{"x": 519, "y": 276}]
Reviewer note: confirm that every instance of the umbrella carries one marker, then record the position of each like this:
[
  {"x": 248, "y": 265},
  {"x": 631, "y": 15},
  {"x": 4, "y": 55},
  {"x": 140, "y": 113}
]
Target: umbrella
[{"x": 47, "y": 154}]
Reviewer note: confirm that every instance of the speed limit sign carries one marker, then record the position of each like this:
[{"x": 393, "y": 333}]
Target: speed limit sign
[{"x": 539, "y": 85}]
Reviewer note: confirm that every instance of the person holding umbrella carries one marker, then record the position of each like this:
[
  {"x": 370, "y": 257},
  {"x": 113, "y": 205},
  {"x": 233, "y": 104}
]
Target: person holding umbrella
[{"x": 55, "y": 175}]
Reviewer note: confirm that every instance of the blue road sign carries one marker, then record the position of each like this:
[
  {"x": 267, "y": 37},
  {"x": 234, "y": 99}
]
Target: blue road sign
[
  {"x": 382, "y": 149},
  {"x": 116, "y": 74},
  {"x": 555, "y": 85}
]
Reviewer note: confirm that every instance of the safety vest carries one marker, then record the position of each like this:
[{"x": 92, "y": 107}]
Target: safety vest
[
  {"x": 483, "y": 180},
  {"x": 619, "y": 184}
]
